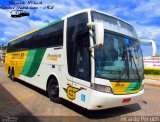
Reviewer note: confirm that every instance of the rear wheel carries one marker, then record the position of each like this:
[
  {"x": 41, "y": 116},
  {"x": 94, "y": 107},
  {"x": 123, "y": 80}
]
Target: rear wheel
[
  {"x": 53, "y": 91},
  {"x": 11, "y": 75}
]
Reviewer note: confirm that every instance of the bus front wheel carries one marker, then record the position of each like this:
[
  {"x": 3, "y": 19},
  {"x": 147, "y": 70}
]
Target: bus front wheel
[{"x": 53, "y": 91}]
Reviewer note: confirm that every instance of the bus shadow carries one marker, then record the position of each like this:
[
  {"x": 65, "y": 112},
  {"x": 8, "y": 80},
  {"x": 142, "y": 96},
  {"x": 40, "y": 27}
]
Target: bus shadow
[
  {"x": 90, "y": 114},
  {"x": 12, "y": 110},
  {"x": 38, "y": 90},
  {"x": 102, "y": 114}
]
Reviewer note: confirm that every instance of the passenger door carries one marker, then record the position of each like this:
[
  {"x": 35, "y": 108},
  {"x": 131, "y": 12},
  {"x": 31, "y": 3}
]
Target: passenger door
[
  {"x": 81, "y": 76},
  {"x": 78, "y": 75}
]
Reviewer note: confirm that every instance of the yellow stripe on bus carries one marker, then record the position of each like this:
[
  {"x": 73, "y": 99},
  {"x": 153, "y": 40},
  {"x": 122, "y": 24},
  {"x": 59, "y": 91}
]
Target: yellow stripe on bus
[
  {"x": 119, "y": 87},
  {"x": 24, "y": 34}
]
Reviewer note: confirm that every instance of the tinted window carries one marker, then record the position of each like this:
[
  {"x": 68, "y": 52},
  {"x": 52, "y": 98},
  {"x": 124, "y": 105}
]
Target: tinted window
[
  {"x": 82, "y": 57},
  {"x": 47, "y": 37},
  {"x": 76, "y": 29}
]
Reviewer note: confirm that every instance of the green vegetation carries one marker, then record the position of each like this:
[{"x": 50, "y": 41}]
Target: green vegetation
[{"x": 153, "y": 72}]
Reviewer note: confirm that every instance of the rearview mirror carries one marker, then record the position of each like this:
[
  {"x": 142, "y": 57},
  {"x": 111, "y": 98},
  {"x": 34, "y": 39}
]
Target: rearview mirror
[{"x": 99, "y": 33}]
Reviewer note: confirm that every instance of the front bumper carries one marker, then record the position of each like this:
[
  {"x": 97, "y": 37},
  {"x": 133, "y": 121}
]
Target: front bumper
[{"x": 99, "y": 100}]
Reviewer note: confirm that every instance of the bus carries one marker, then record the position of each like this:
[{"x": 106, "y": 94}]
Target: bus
[
  {"x": 89, "y": 58},
  {"x": 19, "y": 13}
]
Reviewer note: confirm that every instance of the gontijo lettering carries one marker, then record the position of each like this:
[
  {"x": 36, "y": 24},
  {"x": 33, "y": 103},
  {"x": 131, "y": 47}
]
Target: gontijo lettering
[
  {"x": 53, "y": 56},
  {"x": 18, "y": 56}
]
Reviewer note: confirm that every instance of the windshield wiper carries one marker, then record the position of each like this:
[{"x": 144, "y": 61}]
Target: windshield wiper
[
  {"x": 134, "y": 64},
  {"x": 125, "y": 57}
]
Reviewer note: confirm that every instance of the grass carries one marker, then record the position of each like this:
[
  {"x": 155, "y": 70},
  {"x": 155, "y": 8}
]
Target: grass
[{"x": 151, "y": 72}]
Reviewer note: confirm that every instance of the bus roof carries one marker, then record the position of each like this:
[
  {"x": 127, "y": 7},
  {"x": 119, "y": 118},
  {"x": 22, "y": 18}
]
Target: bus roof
[
  {"x": 88, "y": 10},
  {"x": 67, "y": 16}
]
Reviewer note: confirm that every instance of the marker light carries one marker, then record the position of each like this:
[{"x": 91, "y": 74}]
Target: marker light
[{"x": 126, "y": 100}]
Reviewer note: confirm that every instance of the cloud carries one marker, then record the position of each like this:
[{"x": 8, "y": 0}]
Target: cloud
[
  {"x": 13, "y": 27},
  {"x": 149, "y": 8},
  {"x": 146, "y": 49},
  {"x": 148, "y": 32},
  {"x": 144, "y": 15},
  {"x": 3, "y": 39},
  {"x": 62, "y": 8},
  {"x": 16, "y": 26}
]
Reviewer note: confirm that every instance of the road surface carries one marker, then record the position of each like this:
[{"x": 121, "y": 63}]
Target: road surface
[{"x": 19, "y": 100}]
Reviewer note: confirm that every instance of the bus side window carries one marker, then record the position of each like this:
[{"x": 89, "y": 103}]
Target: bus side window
[{"x": 82, "y": 61}]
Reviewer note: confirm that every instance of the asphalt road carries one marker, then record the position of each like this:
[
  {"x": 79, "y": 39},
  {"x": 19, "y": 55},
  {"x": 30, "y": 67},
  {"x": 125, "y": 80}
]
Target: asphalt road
[{"x": 21, "y": 101}]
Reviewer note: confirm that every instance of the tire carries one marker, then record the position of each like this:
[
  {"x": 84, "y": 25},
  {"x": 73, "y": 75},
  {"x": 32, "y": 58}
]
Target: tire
[
  {"x": 53, "y": 91},
  {"x": 11, "y": 75}
]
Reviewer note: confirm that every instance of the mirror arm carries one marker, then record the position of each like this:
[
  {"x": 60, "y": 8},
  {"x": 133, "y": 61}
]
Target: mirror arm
[
  {"x": 91, "y": 47},
  {"x": 153, "y": 45}
]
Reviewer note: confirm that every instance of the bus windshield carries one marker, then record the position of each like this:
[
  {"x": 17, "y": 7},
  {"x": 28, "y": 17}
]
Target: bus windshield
[{"x": 120, "y": 58}]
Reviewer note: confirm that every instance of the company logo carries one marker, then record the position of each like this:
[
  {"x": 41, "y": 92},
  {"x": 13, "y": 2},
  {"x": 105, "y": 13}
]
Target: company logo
[
  {"x": 18, "y": 56},
  {"x": 71, "y": 92},
  {"x": 53, "y": 57}
]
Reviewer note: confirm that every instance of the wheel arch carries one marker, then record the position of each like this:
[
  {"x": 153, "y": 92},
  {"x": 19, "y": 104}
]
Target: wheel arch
[{"x": 52, "y": 76}]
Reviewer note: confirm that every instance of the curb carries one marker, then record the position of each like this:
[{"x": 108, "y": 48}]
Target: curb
[{"x": 152, "y": 82}]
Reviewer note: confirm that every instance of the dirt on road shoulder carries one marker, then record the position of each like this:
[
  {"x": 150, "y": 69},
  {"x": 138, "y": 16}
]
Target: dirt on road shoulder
[
  {"x": 1, "y": 64},
  {"x": 153, "y": 77}
]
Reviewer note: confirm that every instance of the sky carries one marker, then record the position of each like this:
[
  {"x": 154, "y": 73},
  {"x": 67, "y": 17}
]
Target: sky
[{"x": 144, "y": 15}]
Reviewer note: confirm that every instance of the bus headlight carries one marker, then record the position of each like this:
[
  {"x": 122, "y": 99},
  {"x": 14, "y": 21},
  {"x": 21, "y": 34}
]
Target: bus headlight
[{"x": 101, "y": 88}]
